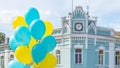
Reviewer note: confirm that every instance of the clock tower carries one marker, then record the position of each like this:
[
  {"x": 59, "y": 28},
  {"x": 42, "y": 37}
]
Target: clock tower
[
  {"x": 79, "y": 20},
  {"x": 76, "y": 22}
]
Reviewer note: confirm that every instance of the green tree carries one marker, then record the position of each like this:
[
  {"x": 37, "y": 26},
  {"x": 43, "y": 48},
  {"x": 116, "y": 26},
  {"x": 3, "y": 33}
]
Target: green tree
[{"x": 2, "y": 37}]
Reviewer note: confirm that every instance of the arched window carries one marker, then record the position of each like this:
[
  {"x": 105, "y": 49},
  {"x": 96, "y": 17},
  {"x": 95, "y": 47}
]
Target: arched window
[
  {"x": 101, "y": 57},
  {"x": 78, "y": 56},
  {"x": 58, "y": 56},
  {"x": 117, "y": 58}
]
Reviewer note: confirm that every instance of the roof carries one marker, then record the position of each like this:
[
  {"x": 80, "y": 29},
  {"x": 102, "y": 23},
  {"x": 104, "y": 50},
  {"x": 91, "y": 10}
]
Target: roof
[
  {"x": 104, "y": 28},
  {"x": 57, "y": 31},
  {"x": 117, "y": 34}
]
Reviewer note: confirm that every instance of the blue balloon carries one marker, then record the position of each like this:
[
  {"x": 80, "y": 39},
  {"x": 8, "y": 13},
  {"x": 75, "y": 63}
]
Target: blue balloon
[
  {"x": 37, "y": 29},
  {"x": 49, "y": 43},
  {"x": 13, "y": 43},
  {"x": 31, "y": 15},
  {"x": 22, "y": 35},
  {"x": 38, "y": 53},
  {"x": 16, "y": 64}
]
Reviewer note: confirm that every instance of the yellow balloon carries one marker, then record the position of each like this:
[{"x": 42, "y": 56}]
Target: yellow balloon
[
  {"x": 19, "y": 21},
  {"x": 23, "y": 54},
  {"x": 48, "y": 62},
  {"x": 49, "y": 28},
  {"x": 32, "y": 42}
]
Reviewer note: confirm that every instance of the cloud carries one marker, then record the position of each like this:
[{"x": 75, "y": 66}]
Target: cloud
[
  {"x": 51, "y": 15},
  {"x": 7, "y": 16},
  {"x": 116, "y": 25},
  {"x": 107, "y": 11},
  {"x": 107, "y": 7},
  {"x": 6, "y": 28},
  {"x": 45, "y": 13}
]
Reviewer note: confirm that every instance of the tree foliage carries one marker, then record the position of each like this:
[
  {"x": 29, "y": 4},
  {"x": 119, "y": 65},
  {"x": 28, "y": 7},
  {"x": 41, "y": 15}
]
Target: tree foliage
[{"x": 2, "y": 37}]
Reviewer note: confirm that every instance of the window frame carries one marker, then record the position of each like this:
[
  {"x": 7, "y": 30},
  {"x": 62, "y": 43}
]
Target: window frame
[
  {"x": 81, "y": 53},
  {"x": 58, "y": 57},
  {"x": 103, "y": 57},
  {"x": 11, "y": 57},
  {"x": 117, "y": 57},
  {"x": 2, "y": 62}
]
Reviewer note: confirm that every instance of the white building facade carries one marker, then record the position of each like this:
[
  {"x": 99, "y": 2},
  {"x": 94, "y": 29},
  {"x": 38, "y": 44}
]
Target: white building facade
[{"x": 6, "y": 55}]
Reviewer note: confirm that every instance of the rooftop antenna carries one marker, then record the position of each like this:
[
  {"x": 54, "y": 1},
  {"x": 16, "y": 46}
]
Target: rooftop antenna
[
  {"x": 72, "y": 5},
  {"x": 88, "y": 10}
]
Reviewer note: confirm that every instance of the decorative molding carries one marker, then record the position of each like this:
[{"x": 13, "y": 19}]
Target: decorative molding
[
  {"x": 57, "y": 48},
  {"x": 117, "y": 49},
  {"x": 86, "y": 42},
  {"x": 81, "y": 47},
  {"x": 78, "y": 19},
  {"x": 111, "y": 54},
  {"x": 86, "y": 35},
  {"x": 78, "y": 46},
  {"x": 101, "y": 47}
]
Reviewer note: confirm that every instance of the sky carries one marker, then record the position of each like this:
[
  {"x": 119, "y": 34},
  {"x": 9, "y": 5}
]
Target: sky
[{"x": 107, "y": 11}]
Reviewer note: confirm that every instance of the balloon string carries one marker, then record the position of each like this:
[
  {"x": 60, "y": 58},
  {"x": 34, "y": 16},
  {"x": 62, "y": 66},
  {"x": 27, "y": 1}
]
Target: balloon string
[
  {"x": 31, "y": 63},
  {"x": 27, "y": 66},
  {"x": 27, "y": 46},
  {"x": 37, "y": 63},
  {"x": 38, "y": 41}
]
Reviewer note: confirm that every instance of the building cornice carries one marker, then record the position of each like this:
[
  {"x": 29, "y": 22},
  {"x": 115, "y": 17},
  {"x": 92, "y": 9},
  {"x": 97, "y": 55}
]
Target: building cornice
[{"x": 86, "y": 35}]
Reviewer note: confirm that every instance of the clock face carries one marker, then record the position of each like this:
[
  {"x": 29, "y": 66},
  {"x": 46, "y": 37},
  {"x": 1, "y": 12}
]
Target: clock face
[{"x": 78, "y": 26}]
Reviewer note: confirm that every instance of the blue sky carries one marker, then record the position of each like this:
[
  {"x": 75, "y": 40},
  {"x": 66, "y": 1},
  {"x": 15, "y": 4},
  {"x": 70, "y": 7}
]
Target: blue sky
[{"x": 107, "y": 11}]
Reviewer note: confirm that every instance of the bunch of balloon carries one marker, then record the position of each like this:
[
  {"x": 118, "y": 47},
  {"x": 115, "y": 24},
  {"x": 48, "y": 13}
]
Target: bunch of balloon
[{"x": 32, "y": 42}]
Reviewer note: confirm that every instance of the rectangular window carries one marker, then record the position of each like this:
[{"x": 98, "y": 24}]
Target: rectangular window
[
  {"x": 78, "y": 56},
  {"x": 2, "y": 61},
  {"x": 101, "y": 59},
  {"x": 58, "y": 56},
  {"x": 11, "y": 57},
  {"x": 117, "y": 58}
]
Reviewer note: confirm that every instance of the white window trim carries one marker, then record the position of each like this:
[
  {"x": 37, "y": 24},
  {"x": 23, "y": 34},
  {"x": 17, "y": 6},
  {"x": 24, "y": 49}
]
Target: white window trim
[
  {"x": 101, "y": 62},
  {"x": 60, "y": 57},
  {"x": 117, "y": 49},
  {"x": 2, "y": 60},
  {"x": 102, "y": 48},
  {"x": 78, "y": 47}
]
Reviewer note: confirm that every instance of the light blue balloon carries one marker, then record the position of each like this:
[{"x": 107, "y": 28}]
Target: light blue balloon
[
  {"x": 37, "y": 29},
  {"x": 31, "y": 15},
  {"x": 49, "y": 43},
  {"x": 16, "y": 64},
  {"x": 13, "y": 43},
  {"x": 38, "y": 53},
  {"x": 22, "y": 35}
]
